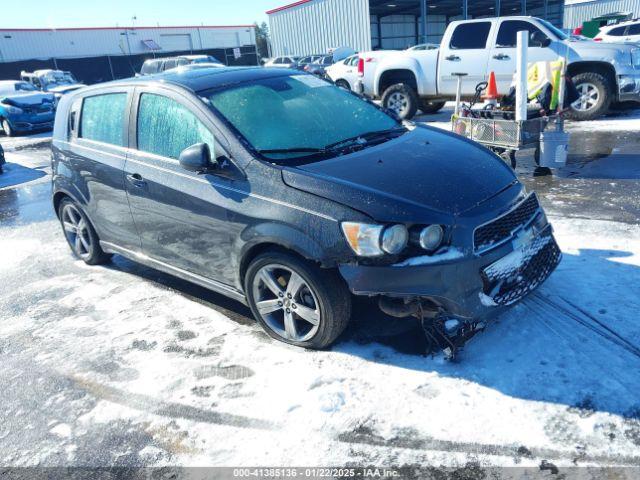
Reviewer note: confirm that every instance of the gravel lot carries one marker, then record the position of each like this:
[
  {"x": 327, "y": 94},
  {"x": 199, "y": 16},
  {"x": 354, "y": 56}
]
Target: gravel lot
[{"x": 125, "y": 366}]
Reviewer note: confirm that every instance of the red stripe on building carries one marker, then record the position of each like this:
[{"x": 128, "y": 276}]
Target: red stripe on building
[
  {"x": 285, "y": 7},
  {"x": 120, "y": 28}
]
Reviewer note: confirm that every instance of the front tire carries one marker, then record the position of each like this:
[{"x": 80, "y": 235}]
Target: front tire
[
  {"x": 80, "y": 234},
  {"x": 401, "y": 99},
  {"x": 297, "y": 302},
  {"x": 596, "y": 96},
  {"x": 8, "y": 130}
]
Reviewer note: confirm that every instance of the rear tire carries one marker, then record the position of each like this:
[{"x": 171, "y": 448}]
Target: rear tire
[
  {"x": 320, "y": 294},
  {"x": 431, "y": 107},
  {"x": 401, "y": 99},
  {"x": 343, "y": 84},
  {"x": 80, "y": 234},
  {"x": 596, "y": 96}
]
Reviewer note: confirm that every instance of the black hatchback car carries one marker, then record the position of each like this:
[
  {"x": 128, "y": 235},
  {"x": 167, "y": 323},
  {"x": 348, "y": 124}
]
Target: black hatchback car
[{"x": 282, "y": 191}]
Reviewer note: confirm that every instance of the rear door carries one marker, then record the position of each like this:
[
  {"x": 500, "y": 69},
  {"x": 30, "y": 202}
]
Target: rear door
[
  {"x": 464, "y": 50},
  {"x": 97, "y": 149},
  {"x": 633, "y": 34},
  {"x": 181, "y": 215}
]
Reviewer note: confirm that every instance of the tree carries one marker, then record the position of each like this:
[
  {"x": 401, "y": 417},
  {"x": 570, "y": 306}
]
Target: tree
[{"x": 262, "y": 39}]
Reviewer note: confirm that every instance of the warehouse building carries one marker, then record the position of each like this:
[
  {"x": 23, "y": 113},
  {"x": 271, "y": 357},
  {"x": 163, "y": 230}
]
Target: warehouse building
[
  {"x": 579, "y": 11},
  {"x": 97, "y": 54},
  {"x": 310, "y": 26}
]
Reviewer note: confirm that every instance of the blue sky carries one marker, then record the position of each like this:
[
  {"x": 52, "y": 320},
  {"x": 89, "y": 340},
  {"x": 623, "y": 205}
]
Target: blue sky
[{"x": 107, "y": 13}]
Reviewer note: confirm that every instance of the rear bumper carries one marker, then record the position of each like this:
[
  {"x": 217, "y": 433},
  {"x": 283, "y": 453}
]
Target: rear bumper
[{"x": 474, "y": 287}]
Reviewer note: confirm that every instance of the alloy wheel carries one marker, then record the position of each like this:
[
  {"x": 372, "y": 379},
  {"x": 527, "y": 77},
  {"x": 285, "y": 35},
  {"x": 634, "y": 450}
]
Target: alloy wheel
[
  {"x": 399, "y": 103},
  {"x": 286, "y": 303},
  {"x": 76, "y": 230},
  {"x": 589, "y": 97}
]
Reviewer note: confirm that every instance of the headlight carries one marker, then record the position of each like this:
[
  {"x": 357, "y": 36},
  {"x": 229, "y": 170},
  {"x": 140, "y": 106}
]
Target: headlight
[
  {"x": 364, "y": 239},
  {"x": 394, "y": 239},
  {"x": 14, "y": 110},
  {"x": 431, "y": 237}
]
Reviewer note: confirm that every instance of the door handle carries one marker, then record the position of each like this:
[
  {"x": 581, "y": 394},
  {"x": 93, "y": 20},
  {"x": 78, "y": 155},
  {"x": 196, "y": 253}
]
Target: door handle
[
  {"x": 452, "y": 58},
  {"x": 136, "y": 180},
  {"x": 501, "y": 56}
]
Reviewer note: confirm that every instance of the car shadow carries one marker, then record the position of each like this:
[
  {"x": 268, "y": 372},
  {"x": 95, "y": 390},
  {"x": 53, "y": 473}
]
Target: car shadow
[
  {"x": 571, "y": 342},
  {"x": 555, "y": 346},
  {"x": 15, "y": 174}
]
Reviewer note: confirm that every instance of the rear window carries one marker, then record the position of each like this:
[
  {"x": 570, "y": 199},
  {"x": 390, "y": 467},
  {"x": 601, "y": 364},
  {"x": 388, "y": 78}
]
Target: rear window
[
  {"x": 149, "y": 67},
  {"x": 102, "y": 118},
  {"x": 470, "y": 36}
]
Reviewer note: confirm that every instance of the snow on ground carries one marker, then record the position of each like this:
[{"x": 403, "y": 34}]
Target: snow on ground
[{"x": 188, "y": 385}]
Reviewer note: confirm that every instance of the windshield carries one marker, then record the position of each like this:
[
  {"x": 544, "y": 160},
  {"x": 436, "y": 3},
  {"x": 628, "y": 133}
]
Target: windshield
[
  {"x": 25, "y": 87},
  {"x": 556, "y": 31},
  {"x": 58, "y": 78},
  {"x": 296, "y": 112}
]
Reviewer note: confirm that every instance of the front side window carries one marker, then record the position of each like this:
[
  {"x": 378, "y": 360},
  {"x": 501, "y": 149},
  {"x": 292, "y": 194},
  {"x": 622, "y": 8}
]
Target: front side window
[
  {"x": 508, "y": 33},
  {"x": 102, "y": 118},
  {"x": 634, "y": 29},
  {"x": 470, "y": 36},
  {"x": 166, "y": 128},
  {"x": 296, "y": 112}
]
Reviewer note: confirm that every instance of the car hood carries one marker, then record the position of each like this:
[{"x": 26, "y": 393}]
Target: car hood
[
  {"x": 425, "y": 175},
  {"x": 27, "y": 99}
]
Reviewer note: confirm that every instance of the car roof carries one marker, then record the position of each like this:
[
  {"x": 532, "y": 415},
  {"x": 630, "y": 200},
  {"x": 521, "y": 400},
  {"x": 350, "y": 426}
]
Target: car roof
[{"x": 202, "y": 78}]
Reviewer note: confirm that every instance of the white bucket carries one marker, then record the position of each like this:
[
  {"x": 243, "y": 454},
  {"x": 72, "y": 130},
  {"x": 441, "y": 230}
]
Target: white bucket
[{"x": 554, "y": 147}]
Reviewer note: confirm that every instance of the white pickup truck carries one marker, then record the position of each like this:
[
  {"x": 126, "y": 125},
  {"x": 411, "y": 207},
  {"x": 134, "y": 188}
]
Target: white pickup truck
[{"x": 409, "y": 80}]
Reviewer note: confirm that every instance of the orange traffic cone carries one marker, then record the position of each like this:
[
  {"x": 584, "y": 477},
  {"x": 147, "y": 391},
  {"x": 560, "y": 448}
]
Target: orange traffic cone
[{"x": 492, "y": 88}]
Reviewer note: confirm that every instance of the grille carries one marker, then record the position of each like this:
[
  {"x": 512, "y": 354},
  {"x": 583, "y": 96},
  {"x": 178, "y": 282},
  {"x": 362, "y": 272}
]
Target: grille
[
  {"x": 503, "y": 227},
  {"x": 507, "y": 282},
  {"x": 37, "y": 109}
]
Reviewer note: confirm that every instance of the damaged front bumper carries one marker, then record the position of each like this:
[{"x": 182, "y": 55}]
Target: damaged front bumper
[{"x": 473, "y": 287}]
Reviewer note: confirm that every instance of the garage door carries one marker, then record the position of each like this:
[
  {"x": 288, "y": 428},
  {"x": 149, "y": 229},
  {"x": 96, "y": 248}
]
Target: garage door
[{"x": 175, "y": 42}]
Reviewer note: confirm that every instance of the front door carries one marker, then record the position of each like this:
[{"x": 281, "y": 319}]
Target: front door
[
  {"x": 464, "y": 51},
  {"x": 181, "y": 215},
  {"x": 502, "y": 60}
]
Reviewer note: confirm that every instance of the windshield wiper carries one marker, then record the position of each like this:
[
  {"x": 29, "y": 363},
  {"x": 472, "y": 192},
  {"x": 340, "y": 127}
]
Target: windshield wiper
[
  {"x": 366, "y": 137},
  {"x": 293, "y": 150}
]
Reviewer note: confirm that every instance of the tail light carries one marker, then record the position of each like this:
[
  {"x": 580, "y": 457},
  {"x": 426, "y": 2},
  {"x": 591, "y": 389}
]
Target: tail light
[
  {"x": 361, "y": 67},
  {"x": 306, "y": 68},
  {"x": 597, "y": 39}
]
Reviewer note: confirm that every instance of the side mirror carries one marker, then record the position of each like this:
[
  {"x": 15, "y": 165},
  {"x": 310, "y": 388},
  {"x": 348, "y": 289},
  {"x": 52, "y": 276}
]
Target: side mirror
[
  {"x": 539, "y": 39},
  {"x": 196, "y": 158}
]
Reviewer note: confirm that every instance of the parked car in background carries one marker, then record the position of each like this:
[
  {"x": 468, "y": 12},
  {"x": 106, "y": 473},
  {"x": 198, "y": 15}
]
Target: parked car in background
[
  {"x": 58, "y": 82},
  {"x": 2, "y": 160},
  {"x": 320, "y": 65},
  {"x": 344, "y": 73},
  {"x": 282, "y": 62},
  {"x": 292, "y": 220},
  {"x": 23, "y": 108},
  {"x": 157, "y": 65},
  {"x": 410, "y": 80},
  {"x": 304, "y": 61},
  {"x": 425, "y": 46},
  {"x": 624, "y": 32}
]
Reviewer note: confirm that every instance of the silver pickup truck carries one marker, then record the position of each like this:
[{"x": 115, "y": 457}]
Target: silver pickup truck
[{"x": 409, "y": 80}]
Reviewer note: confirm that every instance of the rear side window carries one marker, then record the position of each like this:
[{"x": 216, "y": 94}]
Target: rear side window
[
  {"x": 470, "y": 36},
  {"x": 634, "y": 29},
  {"x": 102, "y": 118},
  {"x": 508, "y": 33},
  {"x": 166, "y": 128},
  {"x": 617, "y": 32}
]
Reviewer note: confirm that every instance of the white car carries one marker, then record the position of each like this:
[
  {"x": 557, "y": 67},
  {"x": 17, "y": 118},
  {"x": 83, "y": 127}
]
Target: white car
[
  {"x": 425, "y": 46},
  {"x": 626, "y": 32},
  {"x": 344, "y": 73},
  {"x": 282, "y": 62}
]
